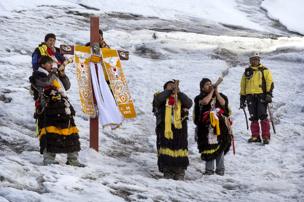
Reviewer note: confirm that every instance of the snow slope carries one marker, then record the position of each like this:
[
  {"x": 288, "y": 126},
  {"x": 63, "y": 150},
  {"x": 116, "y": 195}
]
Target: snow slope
[
  {"x": 289, "y": 13},
  {"x": 125, "y": 168},
  {"x": 216, "y": 11}
]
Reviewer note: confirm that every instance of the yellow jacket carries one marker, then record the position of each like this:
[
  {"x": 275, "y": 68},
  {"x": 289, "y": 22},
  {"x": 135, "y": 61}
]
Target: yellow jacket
[{"x": 253, "y": 85}]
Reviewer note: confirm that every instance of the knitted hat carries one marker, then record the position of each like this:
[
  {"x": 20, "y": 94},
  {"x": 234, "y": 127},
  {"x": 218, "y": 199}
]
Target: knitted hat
[{"x": 49, "y": 35}]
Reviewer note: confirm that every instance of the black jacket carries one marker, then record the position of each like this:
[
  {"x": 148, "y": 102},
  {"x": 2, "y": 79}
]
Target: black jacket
[{"x": 159, "y": 105}]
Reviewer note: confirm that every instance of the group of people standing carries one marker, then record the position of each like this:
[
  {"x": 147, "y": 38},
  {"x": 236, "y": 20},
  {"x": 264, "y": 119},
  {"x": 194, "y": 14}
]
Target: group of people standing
[
  {"x": 58, "y": 133},
  {"x": 211, "y": 115},
  {"x": 54, "y": 114}
]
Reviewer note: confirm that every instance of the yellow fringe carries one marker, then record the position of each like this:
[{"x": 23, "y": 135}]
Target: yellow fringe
[
  {"x": 211, "y": 151},
  {"x": 58, "y": 131},
  {"x": 173, "y": 153}
]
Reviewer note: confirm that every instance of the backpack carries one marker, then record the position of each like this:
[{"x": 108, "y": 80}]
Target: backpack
[{"x": 264, "y": 82}]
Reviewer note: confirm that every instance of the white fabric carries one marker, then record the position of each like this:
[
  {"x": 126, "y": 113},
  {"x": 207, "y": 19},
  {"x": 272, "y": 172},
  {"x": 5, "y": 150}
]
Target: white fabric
[
  {"x": 40, "y": 69},
  {"x": 53, "y": 77},
  {"x": 109, "y": 113}
]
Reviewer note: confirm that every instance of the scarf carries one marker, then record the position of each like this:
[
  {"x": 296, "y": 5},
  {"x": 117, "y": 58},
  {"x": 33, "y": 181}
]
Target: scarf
[
  {"x": 215, "y": 123},
  {"x": 46, "y": 51},
  {"x": 177, "y": 121}
]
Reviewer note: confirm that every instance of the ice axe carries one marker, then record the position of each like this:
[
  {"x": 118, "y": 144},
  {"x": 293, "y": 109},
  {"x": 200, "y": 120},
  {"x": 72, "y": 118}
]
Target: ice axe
[
  {"x": 271, "y": 118},
  {"x": 246, "y": 118}
]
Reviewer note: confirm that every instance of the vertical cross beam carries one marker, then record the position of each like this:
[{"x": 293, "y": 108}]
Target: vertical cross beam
[{"x": 94, "y": 38}]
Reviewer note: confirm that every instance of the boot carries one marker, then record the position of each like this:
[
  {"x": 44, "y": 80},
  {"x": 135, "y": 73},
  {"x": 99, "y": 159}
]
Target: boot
[
  {"x": 265, "y": 125},
  {"x": 220, "y": 172},
  {"x": 208, "y": 172},
  {"x": 49, "y": 158},
  {"x": 72, "y": 160},
  {"x": 255, "y": 132},
  {"x": 265, "y": 141},
  {"x": 168, "y": 173},
  {"x": 254, "y": 139},
  {"x": 179, "y": 174}
]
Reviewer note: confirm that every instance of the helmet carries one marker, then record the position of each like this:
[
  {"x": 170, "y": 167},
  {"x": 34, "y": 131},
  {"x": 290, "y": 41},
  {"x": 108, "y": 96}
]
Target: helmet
[{"x": 255, "y": 55}]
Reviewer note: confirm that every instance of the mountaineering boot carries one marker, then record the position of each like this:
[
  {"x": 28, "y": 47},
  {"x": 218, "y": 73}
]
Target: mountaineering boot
[
  {"x": 255, "y": 132},
  {"x": 265, "y": 141},
  {"x": 254, "y": 139}
]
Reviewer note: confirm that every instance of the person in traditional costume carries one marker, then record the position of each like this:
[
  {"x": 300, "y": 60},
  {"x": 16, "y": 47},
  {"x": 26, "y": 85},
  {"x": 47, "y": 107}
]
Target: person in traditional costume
[
  {"x": 211, "y": 116},
  {"x": 56, "y": 128},
  {"x": 171, "y": 108}
]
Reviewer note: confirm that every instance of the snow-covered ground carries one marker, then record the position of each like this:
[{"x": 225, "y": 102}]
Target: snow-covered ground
[
  {"x": 288, "y": 13},
  {"x": 194, "y": 39}
]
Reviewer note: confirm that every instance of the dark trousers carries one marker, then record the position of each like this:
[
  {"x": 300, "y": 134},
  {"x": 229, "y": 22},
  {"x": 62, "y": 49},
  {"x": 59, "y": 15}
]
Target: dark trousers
[
  {"x": 258, "y": 111},
  {"x": 257, "y": 107}
]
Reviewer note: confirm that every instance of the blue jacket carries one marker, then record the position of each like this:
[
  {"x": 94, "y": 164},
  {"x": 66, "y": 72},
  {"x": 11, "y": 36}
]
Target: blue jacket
[{"x": 38, "y": 53}]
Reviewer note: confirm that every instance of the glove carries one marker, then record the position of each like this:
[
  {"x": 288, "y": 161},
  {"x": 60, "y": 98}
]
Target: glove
[
  {"x": 242, "y": 101},
  {"x": 268, "y": 98}
]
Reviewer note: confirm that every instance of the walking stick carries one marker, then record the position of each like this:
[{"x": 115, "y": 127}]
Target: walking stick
[{"x": 271, "y": 118}]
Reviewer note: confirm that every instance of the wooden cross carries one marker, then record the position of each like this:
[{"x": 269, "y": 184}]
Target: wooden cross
[
  {"x": 94, "y": 40},
  {"x": 95, "y": 58}
]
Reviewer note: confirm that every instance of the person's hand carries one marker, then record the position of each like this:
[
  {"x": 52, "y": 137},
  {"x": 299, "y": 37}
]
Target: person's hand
[
  {"x": 215, "y": 89},
  {"x": 268, "y": 98},
  {"x": 61, "y": 73},
  {"x": 242, "y": 105},
  {"x": 176, "y": 87},
  {"x": 61, "y": 68},
  {"x": 242, "y": 102},
  {"x": 175, "y": 90}
]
